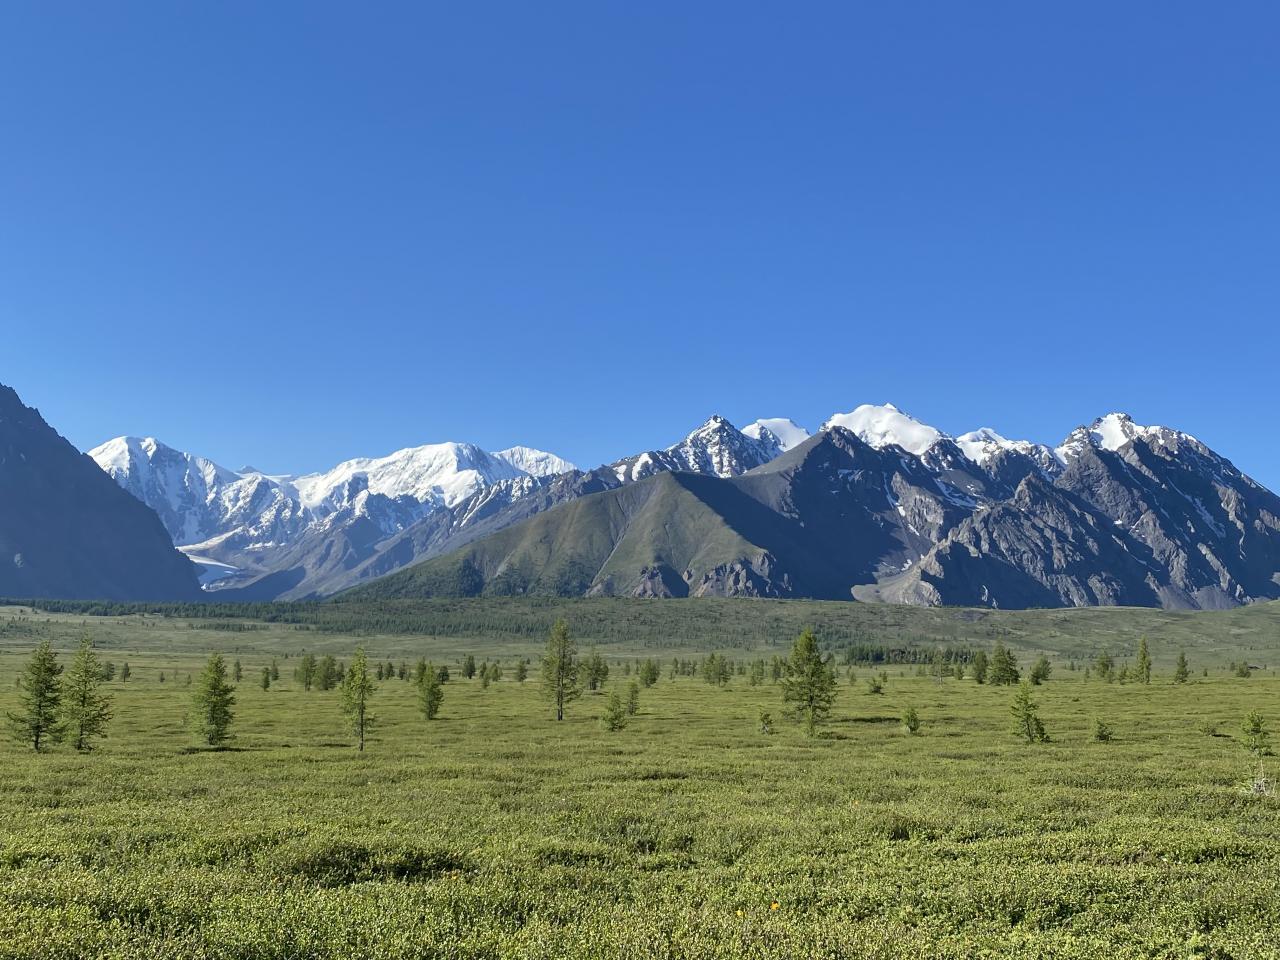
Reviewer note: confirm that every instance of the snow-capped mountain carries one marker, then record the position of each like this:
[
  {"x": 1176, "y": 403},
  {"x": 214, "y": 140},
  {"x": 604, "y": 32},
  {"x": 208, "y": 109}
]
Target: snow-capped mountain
[
  {"x": 1117, "y": 513},
  {"x": 235, "y": 524},
  {"x": 716, "y": 448}
]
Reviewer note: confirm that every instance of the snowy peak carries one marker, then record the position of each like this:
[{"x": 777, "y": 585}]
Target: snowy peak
[
  {"x": 125, "y": 456},
  {"x": 1115, "y": 431},
  {"x": 781, "y": 432},
  {"x": 536, "y": 463},
  {"x": 983, "y": 445},
  {"x": 716, "y": 448},
  {"x": 885, "y": 425}
]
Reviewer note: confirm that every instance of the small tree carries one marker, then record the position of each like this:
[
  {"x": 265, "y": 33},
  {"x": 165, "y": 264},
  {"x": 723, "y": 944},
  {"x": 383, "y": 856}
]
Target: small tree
[
  {"x": 306, "y": 671},
  {"x": 266, "y": 678},
  {"x": 560, "y": 668},
  {"x": 430, "y": 692},
  {"x": 38, "y": 722},
  {"x": 633, "y": 698},
  {"x": 648, "y": 673},
  {"x": 1104, "y": 666},
  {"x": 595, "y": 671},
  {"x": 979, "y": 667},
  {"x": 124, "y": 672},
  {"x": 236, "y": 673},
  {"x": 1102, "y": 731},
  {"x": 1181, "y": 672},
  {"x": 469, "y": 666},
  {"x": 615, "y": 713},
  {"x": 522, "y": 670},
  {"x": 911, "y": 721},
  {"x": 1026, "y": 716},
  {"x": 809, "y": 687},
  {"x": 1040, "y": 670},
  {"x": 1255, "y": 736},
  {"x": 88, "y": 709},
  {"x": 211, "y": 703},
  {"x": 1004, "y": 667},
  {"x": 357, "y": 690},
  {"x": 875, "y": 685},
  {"x": 1142, "y": 669},
  {"x": 766, "y": 722}
]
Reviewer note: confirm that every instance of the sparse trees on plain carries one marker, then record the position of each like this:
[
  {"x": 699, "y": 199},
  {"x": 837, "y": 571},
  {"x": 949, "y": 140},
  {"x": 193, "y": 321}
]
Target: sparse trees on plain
[
  {"x": 88, "y": 709},
  {"x": 560, "y": 668},
  {"x": 38, "y": 720}
]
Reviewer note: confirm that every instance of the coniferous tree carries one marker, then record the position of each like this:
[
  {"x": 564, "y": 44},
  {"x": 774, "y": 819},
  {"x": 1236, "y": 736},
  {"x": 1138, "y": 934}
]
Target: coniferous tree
[
  {"x": 38, "y": 721},
  {"x": 980, "y": 667},
  {"x": 357, "y": 690},
  {"x": 809, "y": 687},
  {"x": 1004, "y": 668},
  {"x": 633, "y": 698},
  {"x": 1104, "y": 667},
  {"x": 560, "y": 668},
  {"x": 469, "y": 666},
  {"x": 1180, "y": 672},
  {"x": 1026, "y": 716},
  {"x": 430, "y": 692},
  {"x": 124, "y": 672},
  {"x": 615, "y": 713},
  {"x": 595, "y": 671},
  {"x": 87, "y": 708},
  {"x": 275, "y": 670},
  {"x": 212, "y": 701},
  {"x": 306, "y": 671},
  {"x": 1040, "y": 670},
  {"x": 236, "y": 672},
  {"x": 266, "y": 678},
  {"x": 522, "y": 670},
  {"x": 1256, "y": 738},
  {"x": 1143, "y": 667}
]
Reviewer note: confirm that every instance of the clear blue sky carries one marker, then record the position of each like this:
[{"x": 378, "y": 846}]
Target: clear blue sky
[{"x": 288, "y": 234}]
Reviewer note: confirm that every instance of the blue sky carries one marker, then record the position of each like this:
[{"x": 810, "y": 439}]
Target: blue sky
[{"x": 288, "y": 234}]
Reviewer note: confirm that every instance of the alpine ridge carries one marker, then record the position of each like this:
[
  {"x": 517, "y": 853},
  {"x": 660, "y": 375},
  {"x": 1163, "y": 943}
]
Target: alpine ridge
[{"x": 875, "y": 506}]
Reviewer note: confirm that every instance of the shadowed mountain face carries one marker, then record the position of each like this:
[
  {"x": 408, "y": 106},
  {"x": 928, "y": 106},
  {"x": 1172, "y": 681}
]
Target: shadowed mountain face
[
  {"x": 67, "y": 530},
  {"x": 1118, "y": 515}
]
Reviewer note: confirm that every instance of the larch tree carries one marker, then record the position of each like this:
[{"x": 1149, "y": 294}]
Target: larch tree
[
  {"x": 1143, "y": 668},
  {"x": 211, "y": 704},
  {"x": 560, "y": 668},
  {"x": 1026, "y": 716},
  {"x": 357, "y": 691},
  {"x": 87, "y": 708},
  {"x": 430, "y": 691},
  {"x": 1181, "y": 671},
  {"x": 808, "y": 684},
  {"x": 37, "y": 720}
]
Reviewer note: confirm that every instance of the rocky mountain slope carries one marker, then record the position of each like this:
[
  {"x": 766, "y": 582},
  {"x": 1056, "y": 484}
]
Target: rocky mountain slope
[
  {"x": 878, "y": 506},
  {"x": 67, "y": 531}
]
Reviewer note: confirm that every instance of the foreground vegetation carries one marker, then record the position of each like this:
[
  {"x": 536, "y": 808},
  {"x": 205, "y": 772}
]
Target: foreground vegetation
[{"x": 917, "y": 822}]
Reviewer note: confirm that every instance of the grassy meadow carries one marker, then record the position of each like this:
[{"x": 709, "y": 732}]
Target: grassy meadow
[{"x": 494, "y": 831}]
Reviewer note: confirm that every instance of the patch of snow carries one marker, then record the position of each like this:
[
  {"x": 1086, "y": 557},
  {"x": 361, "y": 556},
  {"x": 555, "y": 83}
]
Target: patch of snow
[
  {"x": 788, "y": 433},
  {"x": 881, "y": 426}
]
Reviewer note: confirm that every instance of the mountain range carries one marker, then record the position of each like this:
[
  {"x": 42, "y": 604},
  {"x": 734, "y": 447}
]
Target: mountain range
[{"x": 874, "y": 506}]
